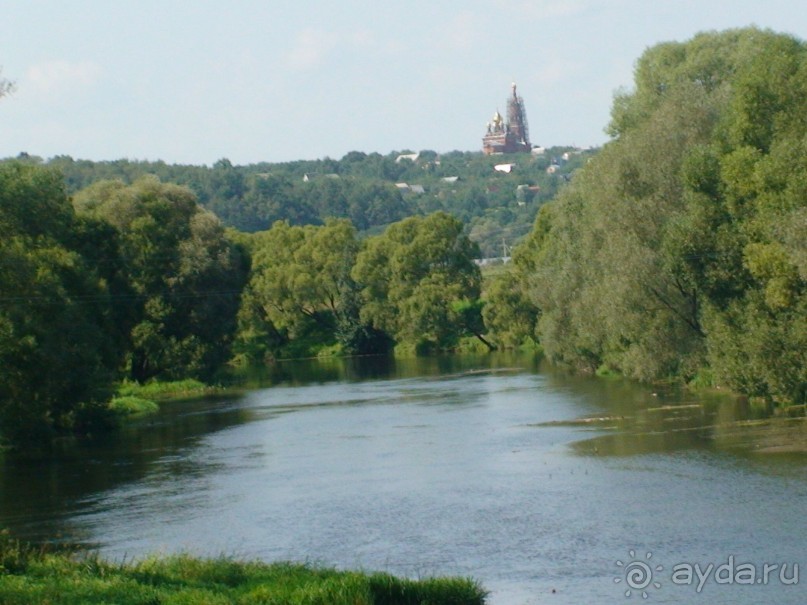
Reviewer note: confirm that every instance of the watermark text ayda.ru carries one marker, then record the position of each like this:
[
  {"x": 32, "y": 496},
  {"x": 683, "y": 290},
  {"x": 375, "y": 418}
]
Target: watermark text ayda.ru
[
  {"x": 732, "y": 572},
  {"x": 640, "y": 575}
]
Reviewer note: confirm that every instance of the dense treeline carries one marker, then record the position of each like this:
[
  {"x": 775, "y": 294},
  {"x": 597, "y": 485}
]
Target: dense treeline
[
  {"x": 318, "y": 290},
  {"x": 681, "y": 249},
  {"x": 123, "y": 281},
  {"x": 372, "y": 190},
  {"x": 139, "y": 282},
  {"x": 58, "y": 346}
]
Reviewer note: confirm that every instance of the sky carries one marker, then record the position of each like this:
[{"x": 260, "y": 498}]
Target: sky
[{"x": 194, "y": 81}]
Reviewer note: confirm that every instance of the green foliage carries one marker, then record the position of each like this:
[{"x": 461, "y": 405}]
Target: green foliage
[
  {"x": 496, "y": 208},
  {"x": 388, "y": 590},
  {"x": 136, "y": 279},
  {"x": 417, "y": 279},
  {"x": 509, "y": 315},
  {"x": 300, "y": 295},
  {"x": 45, "y": 575},
  {"x": 55, "y": 313},
  {"x": 133, "y": 406},
  {"x": 315, "y": 290},
  {"x": 680, "y": 249},
  {"x": 162, "y": 390},
  {"x": 184, "y": 274}
]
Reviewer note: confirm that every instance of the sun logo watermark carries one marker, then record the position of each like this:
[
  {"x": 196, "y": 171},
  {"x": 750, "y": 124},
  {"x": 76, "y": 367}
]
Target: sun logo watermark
[
  {"x": 641, "y": 575},
  {"x": 638, "y": 574}
]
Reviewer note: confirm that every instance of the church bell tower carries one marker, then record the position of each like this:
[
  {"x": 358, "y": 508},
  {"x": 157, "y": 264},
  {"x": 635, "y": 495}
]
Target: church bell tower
[{"x": 511, "y": 136}]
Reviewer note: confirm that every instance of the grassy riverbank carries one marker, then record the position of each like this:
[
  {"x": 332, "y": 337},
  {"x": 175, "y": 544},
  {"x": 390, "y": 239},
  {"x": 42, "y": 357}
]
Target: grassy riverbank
[
  {"x": 166, "y": 391},
  {"x": 33, "y": 575},
  {"x": 135, "y": 399}
]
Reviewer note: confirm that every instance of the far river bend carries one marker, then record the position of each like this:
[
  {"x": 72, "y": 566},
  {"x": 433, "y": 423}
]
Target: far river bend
[{"x": 548, "y": 488}]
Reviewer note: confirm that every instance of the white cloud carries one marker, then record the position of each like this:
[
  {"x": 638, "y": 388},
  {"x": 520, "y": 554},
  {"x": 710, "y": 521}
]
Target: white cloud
[
  {"x": 310, "y": 49},
  {"x": 464, "y": 31},
  {"x": 61, "y": 75},
  {"x": 542, "y": 9},
  {"x": 556, "y": 69}
]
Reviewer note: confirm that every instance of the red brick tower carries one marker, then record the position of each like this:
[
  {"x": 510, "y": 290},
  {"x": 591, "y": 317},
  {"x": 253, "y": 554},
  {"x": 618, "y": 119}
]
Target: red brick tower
[{"x": 511, "y": 136}]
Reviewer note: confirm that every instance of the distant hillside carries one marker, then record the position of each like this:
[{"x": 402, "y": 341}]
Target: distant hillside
[{"x": 498, "y": 207}]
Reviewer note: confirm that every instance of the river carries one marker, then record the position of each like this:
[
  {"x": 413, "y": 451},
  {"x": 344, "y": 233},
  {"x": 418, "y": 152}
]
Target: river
[{"x": 546, "y": 487}]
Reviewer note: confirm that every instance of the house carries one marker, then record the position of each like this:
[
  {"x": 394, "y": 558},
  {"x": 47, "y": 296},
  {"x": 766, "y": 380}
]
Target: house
[
  {"x": 406, "y": 188},
  {"x": 310, "y": 176}
]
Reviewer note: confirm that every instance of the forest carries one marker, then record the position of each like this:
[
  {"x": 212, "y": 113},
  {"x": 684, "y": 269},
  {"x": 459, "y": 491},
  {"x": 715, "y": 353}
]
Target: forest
[
  {"x": 676, "y": 252},
  {"x": 680, "y": 250},
  {"x": 140, "y": 283},
  {"x": 369, "y": 189}
]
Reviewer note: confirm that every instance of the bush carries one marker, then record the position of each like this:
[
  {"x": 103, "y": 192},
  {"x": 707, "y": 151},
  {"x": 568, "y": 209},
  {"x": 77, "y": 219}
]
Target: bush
[
  {"x": 157, "y": 390},
  {"x": 133, "y": 406}
]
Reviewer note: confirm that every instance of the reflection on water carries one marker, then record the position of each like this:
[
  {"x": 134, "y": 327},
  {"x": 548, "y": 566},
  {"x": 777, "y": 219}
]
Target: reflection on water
[
  {"x": 677, "y": 421},
  {"x": 522, "y": 476},
  {"x": 356, "y": 369},
  {"x": 37, "y": 496}
]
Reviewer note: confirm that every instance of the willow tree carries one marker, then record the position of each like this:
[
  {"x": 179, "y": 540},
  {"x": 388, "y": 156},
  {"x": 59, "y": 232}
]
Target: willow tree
[
  {"x": 419, "y": 282},
  {"x": 183, "y": 276},
  {"x": 301, "y": 297},
  {"x": 680, "y": 249}
]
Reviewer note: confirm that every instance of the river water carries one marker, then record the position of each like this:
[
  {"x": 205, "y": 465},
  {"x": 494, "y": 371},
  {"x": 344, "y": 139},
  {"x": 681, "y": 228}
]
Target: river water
[{"x": 546, "y": 487}]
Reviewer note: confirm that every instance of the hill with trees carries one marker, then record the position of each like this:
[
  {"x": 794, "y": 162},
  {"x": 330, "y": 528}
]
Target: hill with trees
[{"x": 371, "y": 190}]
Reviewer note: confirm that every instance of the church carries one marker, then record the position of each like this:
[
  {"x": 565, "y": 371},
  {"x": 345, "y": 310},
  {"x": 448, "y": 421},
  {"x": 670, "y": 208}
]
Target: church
[{"x": 509, "y": 136}]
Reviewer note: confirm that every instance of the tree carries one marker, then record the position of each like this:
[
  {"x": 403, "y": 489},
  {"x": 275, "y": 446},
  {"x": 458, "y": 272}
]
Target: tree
[
  {"x": 184, "y": 274},
  {"x": 302, "y": 271},
  {"x": 679, "y": 250},
  {"x": 414, "y": 278},
  {"x": 509, "y": 314},
  {"x": 58, "y": 353},
  {"x": 301, "y": 289}
]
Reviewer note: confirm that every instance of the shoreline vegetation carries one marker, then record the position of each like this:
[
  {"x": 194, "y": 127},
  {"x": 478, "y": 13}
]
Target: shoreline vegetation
[
  {"x": 134, "y": 400},
  {"x": 676, "y": 252},
  {"x": 767, "y": 430},
  {"x": 66, "y": 576}
]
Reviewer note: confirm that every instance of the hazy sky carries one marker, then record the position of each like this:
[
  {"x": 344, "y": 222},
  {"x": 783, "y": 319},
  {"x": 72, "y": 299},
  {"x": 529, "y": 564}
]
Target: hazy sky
[{"x": 192, "y": 81}]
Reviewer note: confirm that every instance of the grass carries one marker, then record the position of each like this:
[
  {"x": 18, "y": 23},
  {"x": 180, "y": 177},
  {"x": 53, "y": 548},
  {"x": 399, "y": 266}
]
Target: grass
[
  {"x": 135, "y": 400},
  {"x": 62, "y": 577},
  {"x": 156, "y": 391},
  {"x": 133, "y": 406},
  {"x": 605, "y": 371}
]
